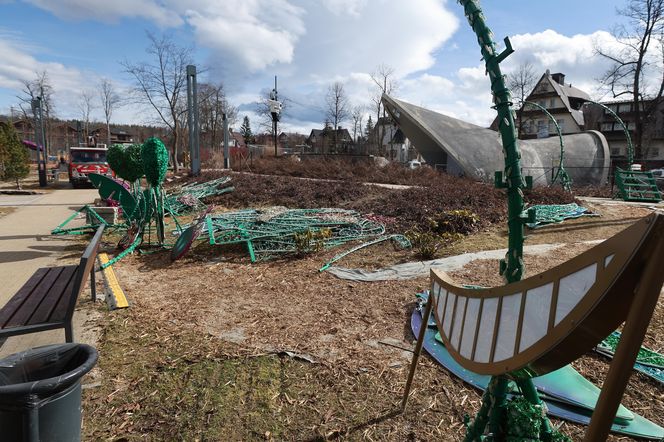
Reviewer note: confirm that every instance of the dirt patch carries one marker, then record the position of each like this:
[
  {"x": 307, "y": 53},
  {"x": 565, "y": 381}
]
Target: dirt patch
[
  {"x": 201, "y": 352},
  {"x": 6, "y": 211},
  {"x": 401, "y": 209}
]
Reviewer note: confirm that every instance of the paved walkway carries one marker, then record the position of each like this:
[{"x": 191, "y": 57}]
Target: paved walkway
[{"x": 26, "y": 245}]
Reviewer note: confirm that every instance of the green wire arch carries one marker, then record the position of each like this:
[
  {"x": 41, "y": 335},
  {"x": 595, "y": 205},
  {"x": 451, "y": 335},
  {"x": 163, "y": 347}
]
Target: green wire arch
[
  {"x": 565, "y": 179},
  {"x": 630, "y": 146}
]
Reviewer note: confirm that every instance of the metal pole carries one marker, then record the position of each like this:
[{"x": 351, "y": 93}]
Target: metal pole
[
  {"x": 192, "y": 121},
  {"x": 275, "y": 116},
  {"x": 39, "y": 140},
  {"x": 418, "y": 350},
  {"x": 227, "y": 158}
]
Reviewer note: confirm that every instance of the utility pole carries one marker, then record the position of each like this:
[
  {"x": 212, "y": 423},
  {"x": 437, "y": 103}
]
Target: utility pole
[
  {"x": 40, "y": 139},
  {"x": 227, "y": 158},
  {"x": 275, "y": 110},
  {"x": 192, "y": 121}
]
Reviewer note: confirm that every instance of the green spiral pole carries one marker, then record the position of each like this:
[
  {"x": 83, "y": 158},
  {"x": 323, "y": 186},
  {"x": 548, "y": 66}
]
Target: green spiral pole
[
  {"x": 510, "y": 179},
  {"x": 492, "y": 412}
]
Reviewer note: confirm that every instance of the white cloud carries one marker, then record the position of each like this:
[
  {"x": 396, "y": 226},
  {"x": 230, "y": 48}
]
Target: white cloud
[
  {"x": 251, "y": 34},
  {"x": 109, "y": 11},
  {"x": 572, "y": 55},
  {"x": 66, "y": 81},
  {"x": 350, "y": 7}
]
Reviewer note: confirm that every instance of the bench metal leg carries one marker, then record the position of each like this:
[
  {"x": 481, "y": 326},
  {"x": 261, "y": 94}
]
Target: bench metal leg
[
  {"x": 69, "y": 332},
  {"x": 93, "y": 285}
]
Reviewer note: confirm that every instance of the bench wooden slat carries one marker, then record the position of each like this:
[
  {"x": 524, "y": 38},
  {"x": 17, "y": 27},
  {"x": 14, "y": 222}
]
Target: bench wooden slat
[
  {"x": 19, "y": 298},
  {"x": 23, "y": 313},
  {"x": 61, "y": 289},
  {"x": 59, "y": 312}
]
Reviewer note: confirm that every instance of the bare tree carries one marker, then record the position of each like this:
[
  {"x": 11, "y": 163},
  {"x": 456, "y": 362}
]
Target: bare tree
[
  {"x": 161, "y": 84},
  {"x": 212, "y": 104},
  {"x": 357, "y": 114},
  {"x": 337, "y": 110},
  {"x": 631, "y": 66},
  {"x": 521, "y": 83},
  {"x": 110, "y": 100},
  {"x": 40, "y": 86},
  {"x": 85, "y": 106},
  {"x": 383, "y": 77}
]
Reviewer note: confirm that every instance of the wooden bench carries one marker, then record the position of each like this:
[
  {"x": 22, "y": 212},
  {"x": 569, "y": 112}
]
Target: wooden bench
[{"x": 47, "y": 301}]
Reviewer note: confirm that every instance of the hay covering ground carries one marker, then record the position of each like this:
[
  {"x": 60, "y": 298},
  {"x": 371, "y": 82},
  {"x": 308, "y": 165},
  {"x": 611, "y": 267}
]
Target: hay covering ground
[{"x": 217, "y": 348}]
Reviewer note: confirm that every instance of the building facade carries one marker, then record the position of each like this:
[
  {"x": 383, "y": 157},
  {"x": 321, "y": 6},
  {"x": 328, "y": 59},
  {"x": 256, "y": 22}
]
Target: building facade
[
  {"x": 563, "y": 101},
  {"x": 653, "y": 134}
]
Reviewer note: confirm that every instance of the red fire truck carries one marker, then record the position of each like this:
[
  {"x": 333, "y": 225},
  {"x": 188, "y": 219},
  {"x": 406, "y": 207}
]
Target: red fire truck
[{"x": 84, "y": 160}]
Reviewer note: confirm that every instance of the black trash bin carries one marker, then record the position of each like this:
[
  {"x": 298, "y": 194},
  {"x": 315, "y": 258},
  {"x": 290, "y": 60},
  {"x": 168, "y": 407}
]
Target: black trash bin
[{"x": 40, "y": 393}]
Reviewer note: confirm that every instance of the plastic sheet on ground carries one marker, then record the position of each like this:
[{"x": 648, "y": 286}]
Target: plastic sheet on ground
[
  {"x": 417, "y": 269},
  {"x": 546, "y": 214}
]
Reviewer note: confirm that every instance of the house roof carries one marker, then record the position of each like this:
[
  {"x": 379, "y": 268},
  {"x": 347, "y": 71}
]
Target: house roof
[
  {"x": 323, "y": 132},
  {"x": 237, "y": 136},
  {"x": 565, "y": 92}
]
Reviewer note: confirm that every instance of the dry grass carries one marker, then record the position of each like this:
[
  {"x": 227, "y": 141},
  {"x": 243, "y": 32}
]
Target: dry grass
[{"x": 201, "y": 353}]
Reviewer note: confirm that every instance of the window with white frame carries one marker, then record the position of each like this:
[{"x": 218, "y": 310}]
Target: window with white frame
[
  {"x": 607, "y": 127},
  {"x": 624, "y": 107}
]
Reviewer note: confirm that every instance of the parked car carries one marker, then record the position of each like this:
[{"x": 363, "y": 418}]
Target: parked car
[
  {"x": 659, "y": 177},
  {"x": 414, "y": 164},
  {"x": 658, "y": 174}
]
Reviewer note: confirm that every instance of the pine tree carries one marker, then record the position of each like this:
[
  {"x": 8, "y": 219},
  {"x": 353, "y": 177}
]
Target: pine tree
[
  {"x": 368, "y": 128},
  {"x": 245, "y": 130},
  {"x": 16, "y": 158},
  {"x": 3, "y": 150}
]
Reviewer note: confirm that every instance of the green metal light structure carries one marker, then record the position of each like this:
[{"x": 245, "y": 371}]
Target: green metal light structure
[
  {"x": 561, "y": 173},
  {"x": 492, "y": 412}
]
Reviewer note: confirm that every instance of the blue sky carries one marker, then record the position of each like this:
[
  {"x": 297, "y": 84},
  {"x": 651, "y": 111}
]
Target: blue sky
[{"x": 308, "y": 44}]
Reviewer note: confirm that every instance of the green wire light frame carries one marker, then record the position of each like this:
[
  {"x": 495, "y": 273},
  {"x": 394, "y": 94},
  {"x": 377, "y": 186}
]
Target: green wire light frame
[{"x": 565, "y": 180}]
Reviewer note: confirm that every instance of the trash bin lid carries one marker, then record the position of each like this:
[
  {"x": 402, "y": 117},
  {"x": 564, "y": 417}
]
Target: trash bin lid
[{"x": 45, "y": 370}]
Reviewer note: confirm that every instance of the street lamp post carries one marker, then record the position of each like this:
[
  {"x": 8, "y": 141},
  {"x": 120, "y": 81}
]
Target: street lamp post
[
  {"x": 40, "y": 139},
  {"x": 192, "y": 121}
]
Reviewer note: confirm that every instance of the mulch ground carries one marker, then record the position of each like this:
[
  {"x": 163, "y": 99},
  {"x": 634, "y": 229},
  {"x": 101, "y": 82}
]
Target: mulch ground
[{"x": 216, "y": 348}]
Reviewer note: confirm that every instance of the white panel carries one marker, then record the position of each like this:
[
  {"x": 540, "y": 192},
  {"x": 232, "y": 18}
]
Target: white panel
[
  {"x": 447, "y": 321},
  {"x": 536, "y": 315},
  {"x": 573, "y": 288},
  {"x": 485, "y": 335},
  {"x": 440, "y": 303},
  {"x": 458, "y": 322},
  {"x": 608, "y": 260},
  {"x": 472, "y": 311},
  {"x": 509, "y": 321}
]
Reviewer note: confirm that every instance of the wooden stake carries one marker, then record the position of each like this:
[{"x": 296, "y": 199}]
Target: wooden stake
[{"x": 418, "y": 350}]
